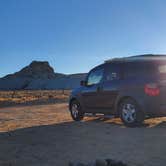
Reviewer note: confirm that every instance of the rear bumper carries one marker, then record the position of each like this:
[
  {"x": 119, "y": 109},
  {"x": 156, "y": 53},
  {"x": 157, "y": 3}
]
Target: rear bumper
[
  {"x": 162, "y": 110},
  {"x": 154, "y": 107}
]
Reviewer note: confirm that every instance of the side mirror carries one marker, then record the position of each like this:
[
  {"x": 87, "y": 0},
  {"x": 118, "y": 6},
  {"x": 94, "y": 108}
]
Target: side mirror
[{"x": 83, "y": 83}]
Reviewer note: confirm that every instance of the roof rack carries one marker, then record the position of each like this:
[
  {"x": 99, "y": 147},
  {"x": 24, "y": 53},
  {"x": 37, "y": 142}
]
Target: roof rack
[{"x": 136, "y": 57}]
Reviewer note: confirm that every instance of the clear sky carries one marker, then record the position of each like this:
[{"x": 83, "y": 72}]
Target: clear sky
[{"x": 76, "y": 35}]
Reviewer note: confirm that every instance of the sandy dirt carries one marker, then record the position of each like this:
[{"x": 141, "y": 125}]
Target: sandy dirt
[{"x": 45, "y": 135}]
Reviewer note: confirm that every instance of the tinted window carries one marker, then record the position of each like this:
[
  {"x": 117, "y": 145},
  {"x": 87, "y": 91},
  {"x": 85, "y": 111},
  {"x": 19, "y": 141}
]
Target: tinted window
[
  {"x": 139, "y": 69},
  {"x": 161, "y": 66},
  {"x": 95, "y": 76},
  {"x": 112, "y": 72}
]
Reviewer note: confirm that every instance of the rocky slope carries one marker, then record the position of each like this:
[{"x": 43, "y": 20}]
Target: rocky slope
[{"x": 39, "y": 75}]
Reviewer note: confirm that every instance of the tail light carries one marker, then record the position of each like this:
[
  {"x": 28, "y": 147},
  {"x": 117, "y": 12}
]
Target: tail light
[{"x": 152, "y": 89}]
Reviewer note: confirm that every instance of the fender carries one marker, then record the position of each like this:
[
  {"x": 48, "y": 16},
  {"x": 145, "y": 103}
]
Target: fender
[{"x": 124, "y": 95}]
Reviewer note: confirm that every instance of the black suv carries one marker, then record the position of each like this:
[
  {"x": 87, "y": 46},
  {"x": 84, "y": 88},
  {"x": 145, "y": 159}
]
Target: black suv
[{"x": 130, "y": 88}]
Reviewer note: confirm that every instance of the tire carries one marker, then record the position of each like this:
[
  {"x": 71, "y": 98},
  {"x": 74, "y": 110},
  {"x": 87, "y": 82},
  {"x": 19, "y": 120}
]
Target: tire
[
  {"x": 75, "y": 110},
  {"x": 130, "y": 113}
]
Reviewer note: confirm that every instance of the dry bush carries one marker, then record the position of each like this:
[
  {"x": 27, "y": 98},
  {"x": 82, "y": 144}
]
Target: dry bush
[{"x": 24, "y": 96}]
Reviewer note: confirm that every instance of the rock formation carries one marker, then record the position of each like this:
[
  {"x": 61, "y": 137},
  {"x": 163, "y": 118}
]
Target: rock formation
[{"x": 39, "y": 75}]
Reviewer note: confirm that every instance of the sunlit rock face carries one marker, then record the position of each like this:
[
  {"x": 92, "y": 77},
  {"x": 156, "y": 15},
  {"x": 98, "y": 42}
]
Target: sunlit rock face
[{"x": 40, "y": 75}]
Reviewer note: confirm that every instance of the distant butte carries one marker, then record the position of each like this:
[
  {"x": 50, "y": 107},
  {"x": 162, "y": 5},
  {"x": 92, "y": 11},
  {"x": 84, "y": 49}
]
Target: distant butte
[{"x": 40, "y": 75}]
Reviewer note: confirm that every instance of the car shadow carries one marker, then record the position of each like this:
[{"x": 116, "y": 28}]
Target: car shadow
[
  {"x": 116, "y": 122},
  {"x": 57, "y": 144}
]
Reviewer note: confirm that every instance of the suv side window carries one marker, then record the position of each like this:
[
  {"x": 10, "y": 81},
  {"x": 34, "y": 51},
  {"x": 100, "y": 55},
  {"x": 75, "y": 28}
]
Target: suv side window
[
  {"x": 138, "y": 69},
  {"x": 95, "y": 76},
  {"x": 112, "y": 72}
]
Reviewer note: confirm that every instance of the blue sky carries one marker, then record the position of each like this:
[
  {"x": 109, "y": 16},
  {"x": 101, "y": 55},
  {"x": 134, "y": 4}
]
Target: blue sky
[{"x": 76, "y": 35}]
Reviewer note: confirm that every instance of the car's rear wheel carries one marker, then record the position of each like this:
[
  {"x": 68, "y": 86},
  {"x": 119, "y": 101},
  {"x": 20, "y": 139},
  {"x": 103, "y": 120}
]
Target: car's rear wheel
[
  {"x": 75, "y": 109},
  {"x": 130, "y": 113}
]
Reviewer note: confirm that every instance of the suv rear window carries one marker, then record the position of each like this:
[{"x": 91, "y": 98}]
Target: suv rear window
[
  {"x": 162, "y": 68},
  {"x": 161, "y": 65},
  {"x": 139, "y": 69}
]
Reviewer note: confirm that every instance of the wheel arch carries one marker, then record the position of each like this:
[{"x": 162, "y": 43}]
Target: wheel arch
[
  {"x": 71, "y": 100},
  {"x": 122, "y": 98}
]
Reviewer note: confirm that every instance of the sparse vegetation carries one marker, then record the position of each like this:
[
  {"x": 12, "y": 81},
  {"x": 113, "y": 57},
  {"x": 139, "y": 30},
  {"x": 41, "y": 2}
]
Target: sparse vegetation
[{"x": 8, "y": 98}]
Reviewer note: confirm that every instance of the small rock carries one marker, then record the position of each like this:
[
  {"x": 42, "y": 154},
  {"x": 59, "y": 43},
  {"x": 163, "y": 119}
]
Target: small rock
[
  {"x": 100, "y": 162},
  {"x": 119, "y": 163},
  {"x": 111, "y": 162},
  {"x": 91, "y": 164},
  {"x": 76, "y": 164}
]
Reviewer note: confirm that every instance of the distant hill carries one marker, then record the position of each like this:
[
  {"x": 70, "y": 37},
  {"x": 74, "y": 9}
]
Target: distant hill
[{"x": 40, "y": 75}]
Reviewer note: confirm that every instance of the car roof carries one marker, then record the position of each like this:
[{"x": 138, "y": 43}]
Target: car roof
[
  {"x": 136, "y": 58},
  {"x": 144, "y": 57}
]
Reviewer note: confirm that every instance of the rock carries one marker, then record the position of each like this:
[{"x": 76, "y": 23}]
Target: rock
[
  {"x": 36, "y": 69},
  {"x": 119, "y": 163},
  {"x": 76, "y": 164},
  {"x": 91, "y": 164},
  {"x": 100, "y": 162},
  {"x": 111, "y": 162},
  {"x": 38, "y": 76}
]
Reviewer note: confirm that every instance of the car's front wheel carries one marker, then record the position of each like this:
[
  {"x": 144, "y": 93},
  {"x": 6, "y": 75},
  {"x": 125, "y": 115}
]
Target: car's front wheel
[
  {"x": 130, "y": 113},
  {"x": 75, "y": 110}
]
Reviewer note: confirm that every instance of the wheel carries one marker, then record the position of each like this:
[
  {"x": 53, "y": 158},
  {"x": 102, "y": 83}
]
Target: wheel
[
  {"x": 130, "y": 113},
  {"x": 75, "y": 110}
]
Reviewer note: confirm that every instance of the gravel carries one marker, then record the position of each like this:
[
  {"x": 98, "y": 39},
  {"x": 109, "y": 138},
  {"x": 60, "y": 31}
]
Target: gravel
[{"x": 99, "y": 162}]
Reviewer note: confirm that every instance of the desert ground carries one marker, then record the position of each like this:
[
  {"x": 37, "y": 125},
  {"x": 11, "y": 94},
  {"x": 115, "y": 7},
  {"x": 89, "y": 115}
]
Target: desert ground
[{"x": 42, "y": 133}]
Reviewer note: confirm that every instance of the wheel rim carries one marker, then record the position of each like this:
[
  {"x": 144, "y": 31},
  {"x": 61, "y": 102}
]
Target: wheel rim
[
  {"x": 75, "y": 110},
  {"x": 129, "y": 113}
]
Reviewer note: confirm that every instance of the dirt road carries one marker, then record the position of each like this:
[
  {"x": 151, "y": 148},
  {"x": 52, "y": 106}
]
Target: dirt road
[{"x": 45, "y": 135}]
